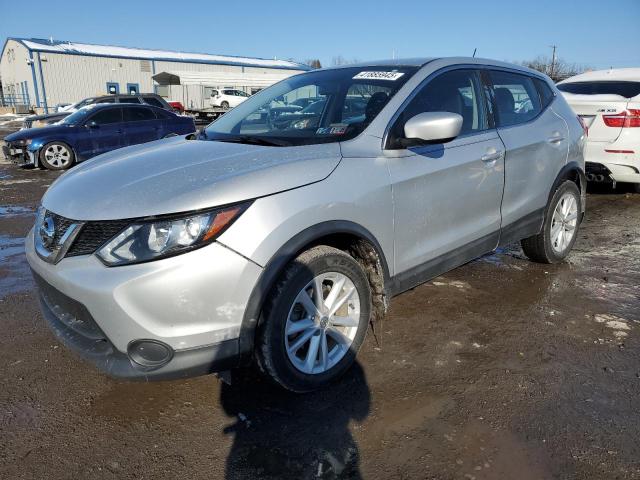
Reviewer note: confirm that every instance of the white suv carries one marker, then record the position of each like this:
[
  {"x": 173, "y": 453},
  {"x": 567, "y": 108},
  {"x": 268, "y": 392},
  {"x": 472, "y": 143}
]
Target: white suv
[
  {"x": 228, "y": 98},
  {"x": 608, "y": 102}
]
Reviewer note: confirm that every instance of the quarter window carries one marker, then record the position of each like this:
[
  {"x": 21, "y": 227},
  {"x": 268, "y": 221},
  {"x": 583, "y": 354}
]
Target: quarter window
[
  {"x": 153, "y": 101},
  {"x": 545, "y": 92},
  {"x": 516, "y": 98},
  {"x": 456, "y": 91}
]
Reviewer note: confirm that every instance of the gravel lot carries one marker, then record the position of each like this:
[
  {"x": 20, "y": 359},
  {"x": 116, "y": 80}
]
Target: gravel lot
[{"x": 500, "y": 369}]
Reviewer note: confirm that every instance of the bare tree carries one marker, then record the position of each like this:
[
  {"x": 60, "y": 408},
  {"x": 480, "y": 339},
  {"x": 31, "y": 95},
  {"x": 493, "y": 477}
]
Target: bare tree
[
  {"x": 558, "y": 70},
  {"x": 340, "y": 60},
  {"x": 313, "y": 63}
]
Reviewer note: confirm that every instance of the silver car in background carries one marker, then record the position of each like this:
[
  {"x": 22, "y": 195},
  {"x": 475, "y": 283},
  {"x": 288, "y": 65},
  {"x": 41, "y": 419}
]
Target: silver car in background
[{"x": 276, "y": 235}]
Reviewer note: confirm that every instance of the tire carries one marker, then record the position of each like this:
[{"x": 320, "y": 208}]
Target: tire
[
  {"x": 300, "y": 370},
  {"x": 225, "y": 105},
  {"x": 57, "y": 156},
  {"x": 554, "y": 243}
]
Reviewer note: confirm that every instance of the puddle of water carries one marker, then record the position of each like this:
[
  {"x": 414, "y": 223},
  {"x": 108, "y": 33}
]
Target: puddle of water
[
  {"x": 15, "y": 276},
  {"x": 14, "y": 210}
]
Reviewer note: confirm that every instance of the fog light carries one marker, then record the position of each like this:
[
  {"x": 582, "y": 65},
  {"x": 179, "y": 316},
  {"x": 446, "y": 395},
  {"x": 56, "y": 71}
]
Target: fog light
[{"x": 150, "y": 353}]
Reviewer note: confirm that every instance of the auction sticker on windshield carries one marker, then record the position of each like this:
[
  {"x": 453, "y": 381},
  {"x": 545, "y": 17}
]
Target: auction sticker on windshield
[{"x": 378, "y": 75}]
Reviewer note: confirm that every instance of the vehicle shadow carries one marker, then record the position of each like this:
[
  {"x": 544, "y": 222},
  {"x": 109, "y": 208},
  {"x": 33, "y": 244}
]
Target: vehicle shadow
[{"x": 278, "y": 434}]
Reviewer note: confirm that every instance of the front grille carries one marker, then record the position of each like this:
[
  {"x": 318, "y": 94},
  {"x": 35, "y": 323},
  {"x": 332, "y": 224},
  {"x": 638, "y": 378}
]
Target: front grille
[
  {"x": 92, "y": 235},
  {"x": 61, "y": 226}
]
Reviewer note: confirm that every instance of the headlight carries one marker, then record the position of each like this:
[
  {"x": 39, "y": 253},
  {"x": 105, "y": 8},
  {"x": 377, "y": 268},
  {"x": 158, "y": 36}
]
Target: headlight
[
  {"x": 150, "y": 240},
  {"x": 24, "y": 142}
]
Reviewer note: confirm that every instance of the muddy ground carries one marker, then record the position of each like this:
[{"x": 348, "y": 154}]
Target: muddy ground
[{"x": 500, "y": 369}]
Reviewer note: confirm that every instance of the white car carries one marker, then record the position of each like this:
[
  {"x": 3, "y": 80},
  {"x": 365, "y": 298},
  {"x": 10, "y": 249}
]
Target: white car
[
  {"x": 608, "y": 102},
  {"x": 228, "y": 98}
]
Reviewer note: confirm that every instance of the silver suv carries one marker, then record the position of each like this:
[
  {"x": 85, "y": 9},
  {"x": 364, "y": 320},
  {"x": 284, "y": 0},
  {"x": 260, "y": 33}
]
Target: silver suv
[{"x": 277, "y": 235}]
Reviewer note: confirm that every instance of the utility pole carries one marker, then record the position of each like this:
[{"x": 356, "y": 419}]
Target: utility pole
[{"x": 553, "y": 61}]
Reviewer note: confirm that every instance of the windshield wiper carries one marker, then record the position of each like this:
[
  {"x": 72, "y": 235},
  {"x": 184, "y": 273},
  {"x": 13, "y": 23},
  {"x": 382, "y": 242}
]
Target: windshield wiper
[{"x": 253, "y": 141}]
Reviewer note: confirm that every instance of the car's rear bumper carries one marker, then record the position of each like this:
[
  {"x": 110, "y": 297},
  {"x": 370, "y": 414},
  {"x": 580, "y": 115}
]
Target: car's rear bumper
[{"x": 622, "y": 161}]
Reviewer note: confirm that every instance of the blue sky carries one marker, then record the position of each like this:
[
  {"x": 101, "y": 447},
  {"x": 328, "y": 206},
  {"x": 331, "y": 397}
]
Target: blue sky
[{"x": 599, "y": 33}]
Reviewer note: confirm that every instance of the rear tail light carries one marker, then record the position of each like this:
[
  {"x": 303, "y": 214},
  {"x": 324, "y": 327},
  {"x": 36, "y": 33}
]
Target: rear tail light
[
  {"x": 585, "y": 128},
  {"x": 628, "y": 119}
]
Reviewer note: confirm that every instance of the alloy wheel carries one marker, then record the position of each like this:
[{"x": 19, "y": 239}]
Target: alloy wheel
[
  {"x": 322, "y": 323},
  {"x": 57, "y": 155},
  {"x": 564, "y": 222}
]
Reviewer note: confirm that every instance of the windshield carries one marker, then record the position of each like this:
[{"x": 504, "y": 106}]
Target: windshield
[
  {"x": 78, "y": 116},
  {"x": 341, "y": 104},
  {"x": 624, "y": 89}
]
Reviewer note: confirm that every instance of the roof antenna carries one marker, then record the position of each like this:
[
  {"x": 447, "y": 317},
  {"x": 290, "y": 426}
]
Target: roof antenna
[
  {"x": 474, "y": 52},
  {"x": 51, "y": 40}
]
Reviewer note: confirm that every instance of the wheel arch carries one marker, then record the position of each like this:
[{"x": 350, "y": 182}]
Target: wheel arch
[
  {"x": 342, "y": 234},
  {"x": 574, "y": 172}
]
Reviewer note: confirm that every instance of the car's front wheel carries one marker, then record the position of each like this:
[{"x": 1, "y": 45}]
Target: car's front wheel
[
  {"x": 560, "y": 229},
  {"x": 225, "y": 105},
  {"x": 315, "y": 321},
  {"x": 57, "y": 156}
]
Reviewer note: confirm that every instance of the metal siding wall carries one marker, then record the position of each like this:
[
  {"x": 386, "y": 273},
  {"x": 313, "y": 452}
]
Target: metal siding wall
[
  {"x": 17, "y": 70},
  {"x": 70, "y": 78}
]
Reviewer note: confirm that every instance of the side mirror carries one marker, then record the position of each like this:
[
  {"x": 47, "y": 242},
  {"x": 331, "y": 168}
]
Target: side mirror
[
  {"x": 92, "y": 124},
  {"x": 432, "y": 127}
]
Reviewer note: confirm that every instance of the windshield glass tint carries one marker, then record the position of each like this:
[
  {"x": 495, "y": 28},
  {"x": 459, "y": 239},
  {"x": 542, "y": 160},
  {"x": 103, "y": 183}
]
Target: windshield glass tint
[
  {"x": 78, "y": 116},
  {"x": 624, "y": 89},
  {"x": 315, "y": 107}
]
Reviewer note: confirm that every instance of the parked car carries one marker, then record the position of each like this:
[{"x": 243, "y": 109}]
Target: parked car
[
  {"x": 91, "y": 131},
  {"x": 253, "y": 242},
  {"x": 176, "y": 106},
  {"x": 34, "y": 121},
  {"x": 228, "y": 98},
  {"x": 608, "y": 102}
]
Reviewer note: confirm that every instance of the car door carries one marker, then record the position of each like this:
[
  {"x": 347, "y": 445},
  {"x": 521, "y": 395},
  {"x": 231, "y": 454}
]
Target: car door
[
  {"x": 446, "y": 195},
  {"x": 536, "y": 141},
  {"x": 141, "y": 125},
  {"x": 104, "y": 131}
]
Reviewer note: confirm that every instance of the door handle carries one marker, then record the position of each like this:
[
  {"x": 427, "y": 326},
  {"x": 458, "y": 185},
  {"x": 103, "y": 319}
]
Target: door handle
[
  {"x": 556, "y": 138},
  {"x": 491, "y": 156}
]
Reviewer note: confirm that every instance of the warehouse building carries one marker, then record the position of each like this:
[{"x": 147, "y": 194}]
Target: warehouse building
[{"x": 43, "y": 73}]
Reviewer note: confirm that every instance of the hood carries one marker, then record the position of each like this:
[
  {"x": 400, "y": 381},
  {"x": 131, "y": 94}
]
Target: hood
[
  {"x": 49, "y": 116},
  {"x": 178, "y": 175},
  {"x": 36, "y": 132}
]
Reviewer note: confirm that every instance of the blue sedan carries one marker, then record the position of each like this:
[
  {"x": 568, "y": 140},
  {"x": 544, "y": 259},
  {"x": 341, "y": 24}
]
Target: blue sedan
[{"x": 93, "y": 130}]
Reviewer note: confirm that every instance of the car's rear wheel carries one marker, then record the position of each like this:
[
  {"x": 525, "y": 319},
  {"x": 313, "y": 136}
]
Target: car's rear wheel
[
  {"x": 57, "y": 156},
  {"x": 560, "y": 229},
  {"x": 315, "y": 321},
  {"x": 225, "y": 105}
]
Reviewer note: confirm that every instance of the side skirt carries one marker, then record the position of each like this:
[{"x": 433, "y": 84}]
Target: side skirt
[
  {"x": 527, "y": 226},
  {"x": 417, "y": 275}
]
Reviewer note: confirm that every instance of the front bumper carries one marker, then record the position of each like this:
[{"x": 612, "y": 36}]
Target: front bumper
[
  {"x": 193, "y": 303},
  {"x": 18, "y": 154}
]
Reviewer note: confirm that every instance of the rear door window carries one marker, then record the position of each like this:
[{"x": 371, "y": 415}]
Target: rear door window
[
  {"x": 624, "y": 89},
  {"x": 107, "y": 116},
  {"x": 131, "y": 99},
  {"x": 140, "y": 114},
  {"x": 515, "y": 96}
]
